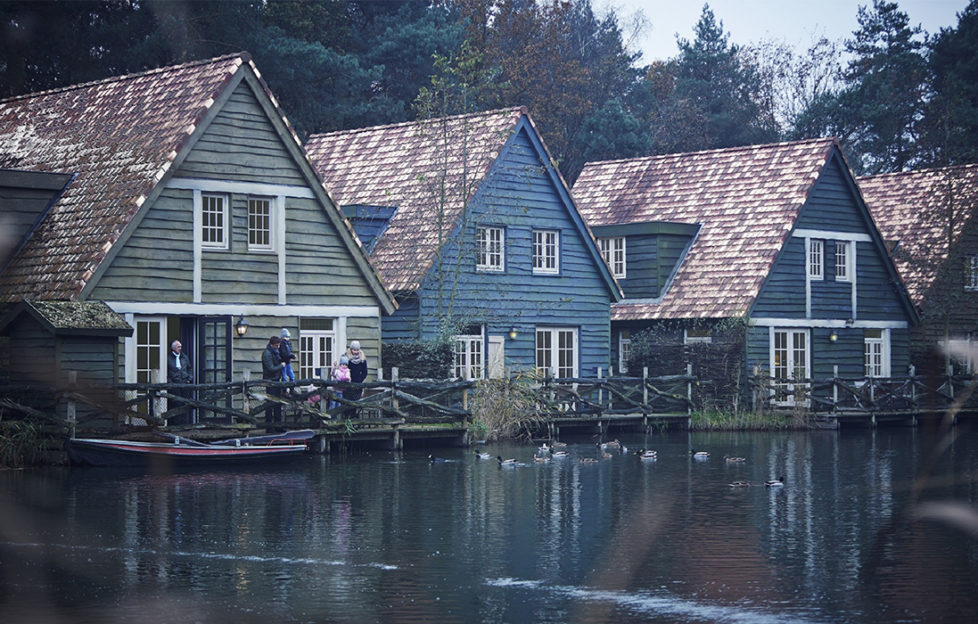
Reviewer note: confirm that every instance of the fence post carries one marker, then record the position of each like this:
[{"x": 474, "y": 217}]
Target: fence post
[
  {"x": 913, "y": 384},
  {"x": 689, "y": 388},
  {"x": 835, "y": 387},
  {"x": 601, "y": 391},
  {"x": 323, "y": 379},
  {"x": 72, "y": 414},
  {"x": 645, "y": 390},
  {"x": 395, "y": 376},
  {"x": 155, "y": 404},
  {"x": 245, "y": 403}
]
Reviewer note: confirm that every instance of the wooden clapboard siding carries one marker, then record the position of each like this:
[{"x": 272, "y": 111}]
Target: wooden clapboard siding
[
  {"x": 403, "y": 324},
  {"x": 878, "y": 293},
  {"x": 241, "y": 144},
  {"x": 641, "y": 267},
  {"x": 783, "y": 292},
  {"x": 832, "y": 203},
  {"x": 518, "y": 195}
]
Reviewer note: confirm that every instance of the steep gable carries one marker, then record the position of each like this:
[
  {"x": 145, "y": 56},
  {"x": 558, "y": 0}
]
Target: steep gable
[{"x": 745, "y": 199}]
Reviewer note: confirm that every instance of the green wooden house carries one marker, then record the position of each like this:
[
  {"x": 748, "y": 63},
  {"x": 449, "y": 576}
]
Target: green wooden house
[
  {"x": 769, "y": 250},
  {"x": 927, "y": 218},
  {"x": 471, "y": 225},
  {"x": 191, "y": 211}
]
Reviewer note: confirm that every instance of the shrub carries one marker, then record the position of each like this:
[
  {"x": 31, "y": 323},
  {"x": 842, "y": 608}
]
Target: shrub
[
  {"x": 423, "y": 359},
  {"x": 504, "y": 408}
]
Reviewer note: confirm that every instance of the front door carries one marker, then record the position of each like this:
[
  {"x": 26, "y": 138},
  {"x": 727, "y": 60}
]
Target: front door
[
  {"x": 213, "y": 361},
  {"x": 789, "y": 365}
]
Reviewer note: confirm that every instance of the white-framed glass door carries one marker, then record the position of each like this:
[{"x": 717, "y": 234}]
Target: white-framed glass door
[
  {"x": 790, "y": 364},
  {"x": 556, "y": 351}
]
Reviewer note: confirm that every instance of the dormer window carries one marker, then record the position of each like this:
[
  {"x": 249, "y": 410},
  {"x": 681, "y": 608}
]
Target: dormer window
[
  {"x": 491, "y": 249},
  {"x": 613, "y": 251}
]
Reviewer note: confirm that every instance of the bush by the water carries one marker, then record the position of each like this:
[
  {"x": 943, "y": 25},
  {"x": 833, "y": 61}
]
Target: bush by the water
[{"x": 419, "y": 359}]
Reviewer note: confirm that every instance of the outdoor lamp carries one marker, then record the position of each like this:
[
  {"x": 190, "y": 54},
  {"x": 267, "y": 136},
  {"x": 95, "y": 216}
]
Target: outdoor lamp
[
  {"x": 241, "y": 327},
  {"x": 833, "y": 336},
  {"x": 513, "y": 333}
]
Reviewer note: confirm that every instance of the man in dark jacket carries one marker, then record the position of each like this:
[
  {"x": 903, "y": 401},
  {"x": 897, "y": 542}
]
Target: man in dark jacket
[
  {"x": 271, "y": 370},
  {"x": 180, "y": 371}
]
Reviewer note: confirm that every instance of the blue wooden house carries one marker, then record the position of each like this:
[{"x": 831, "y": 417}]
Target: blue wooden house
[
  {"x": 770, "y": 248},
  {"x": 185, "y": 204},
  {"x": 472, "y": 227}
]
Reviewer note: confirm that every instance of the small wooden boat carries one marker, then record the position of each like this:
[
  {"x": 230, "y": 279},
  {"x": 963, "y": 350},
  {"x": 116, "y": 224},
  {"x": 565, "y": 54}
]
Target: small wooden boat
[{"x": 184, "y": 451}]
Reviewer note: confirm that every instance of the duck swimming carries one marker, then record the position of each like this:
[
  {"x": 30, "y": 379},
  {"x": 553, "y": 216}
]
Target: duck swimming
[
  {"x": 740, "y": 484},
  {"x": 775, "y": 482},
  {"x": 699, "y": 454},
  {"x": 505, "y": 462},
  {"x": 734, "y": 460},
  {"x": 646, "y": 454},
  {"x": 483, "y": 455}
]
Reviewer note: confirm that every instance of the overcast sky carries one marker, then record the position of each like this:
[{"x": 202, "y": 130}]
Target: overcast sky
[{"x": 798, "y": 22}]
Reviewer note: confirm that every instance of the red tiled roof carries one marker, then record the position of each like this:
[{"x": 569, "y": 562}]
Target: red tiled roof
[
  {"x": 911, "y": 208},
  {"x": 745, "y": 198},
  {"x": 120, "y": 136},
  {"x": 419, "y": 168}
]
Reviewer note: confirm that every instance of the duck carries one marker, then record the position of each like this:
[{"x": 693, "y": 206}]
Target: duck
[
  {"x": 614, "y": 444},
  {"x": 588, "y": 460},
  {"x": 775, "y": 482},
  {"x": 734, "y": 460},
  {"x": 557, "y": 454},
  {"x": 541, "y": 459},
  {"x": 646, "y": 454},
  {"x": 700, "y": 454},
  {"x": 483, "y": 455},
  {"x": 505, "y": 462},
  {"x": 434, "y": 459},
  {"x": 544, "y": 448},
  {"x": 738, "y": 484},
  {"x": 605, "y": 455},
  {"x": 558, "y": 445}
]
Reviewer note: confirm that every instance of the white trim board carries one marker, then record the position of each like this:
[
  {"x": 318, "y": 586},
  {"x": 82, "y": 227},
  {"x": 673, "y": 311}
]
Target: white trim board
[
  {"x": 244, "y": 188},
  {"x": 861, "y": 237},
  {"x": 238, "y": 309},
  {"x": 834, "y": 323}
]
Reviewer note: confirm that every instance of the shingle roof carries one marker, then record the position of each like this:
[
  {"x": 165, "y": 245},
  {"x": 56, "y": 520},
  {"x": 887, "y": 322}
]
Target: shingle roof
[
  {"x": 911, "y": 208},
  {"x": 416, "y": 167},
  {"x": 71, "y": 317},
  {"x": 745, "y": 198},
  {"x": 120, "y": 136}
]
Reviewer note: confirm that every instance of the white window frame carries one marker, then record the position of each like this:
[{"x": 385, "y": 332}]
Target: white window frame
[
  {"x": 963, "y": 352},
  {"x": 843, "y": 261},
  {"x": 317, "y": 349},
  {"x": 469, "y": 360},
  {"x": 265, "y": 229},
  {"x": 222, "y": 230},
  {"x": 546, "y": 252},
  {"x": 815, "y": 259},
  {"x": 624, "y": 349},
  {"x": 971, "y": 272},
  {"x": 613, "y": 252},
  {"x": 491, "y": 249},
  {"x": 796, "y": 362},
  {"x": 876, "y": 353},
  {"x": 552, "y": 346},
  {"x": 698, "y": 336}
]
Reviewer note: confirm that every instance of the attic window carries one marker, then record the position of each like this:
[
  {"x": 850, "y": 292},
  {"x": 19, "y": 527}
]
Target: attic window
[
  {"x": 545, "y": 247},
  {"x": 971, "y": 272},
  {"x": 613, "y": 250},
  {"x": 214, "y": 222},
  {"x": 815, "y": 259},
  {"x": 259, "y": 224},
  {"x": 843, "y": 261},
  {"x": 491, "y": 252}
]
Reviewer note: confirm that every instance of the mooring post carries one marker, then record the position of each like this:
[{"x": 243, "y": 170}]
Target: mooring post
[
  {"x": 600, "y": 390},
  {"x": 835, "y": 386},
  {"x": 395, "y": 376},
  {"x": 689, "y": 388},
  {"x": 645, "y": 389}
]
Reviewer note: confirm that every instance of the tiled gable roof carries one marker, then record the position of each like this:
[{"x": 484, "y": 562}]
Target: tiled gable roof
[
  {"x": 911, "y": 210},
  {"x": 428, "y": 170},
  {"x": 119, "y": 136},
  {"x": 746, "y": 199}
]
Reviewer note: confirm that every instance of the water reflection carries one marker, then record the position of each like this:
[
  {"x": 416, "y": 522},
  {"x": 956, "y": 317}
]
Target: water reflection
[{"x": 394, "y": 537}]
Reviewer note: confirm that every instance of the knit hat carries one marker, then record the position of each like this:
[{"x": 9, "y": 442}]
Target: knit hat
[
  {"x": 344, "y": 360},
  {"x": 285, "y": 333},
  {"x": 355, "y": 345}
]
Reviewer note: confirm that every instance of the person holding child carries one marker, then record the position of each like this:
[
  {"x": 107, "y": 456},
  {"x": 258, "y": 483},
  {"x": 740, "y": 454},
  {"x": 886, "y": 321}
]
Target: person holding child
[{"x": 285, "y": 352}]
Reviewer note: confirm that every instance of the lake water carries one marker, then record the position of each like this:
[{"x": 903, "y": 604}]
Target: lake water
[{"x": 391, "y": 537}]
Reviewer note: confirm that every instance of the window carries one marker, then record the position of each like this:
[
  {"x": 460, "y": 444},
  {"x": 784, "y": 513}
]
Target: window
[
  {"x": 624, "y": 350},
  {"x": 877, "y": 350},
  {"x": 964, "y": 351},
  {"x": 214, "y": 222},
  {"x": 789, "y": 363},
  {"x": 317, "y": 348},
  {"x": 843, "y": 261},
  {"x": 259, "y": 224},
  {"x": 815, "y": 261},
  {"x": 490, "y": 256},
  {"x": 971, "y": 272},
  {"x": 694, "y": 335},
  {"x": 468, "y": 356},
  {"x": 556, "y": 352},
  {"x": 613, "y": 250},
  {"x": 545, "y": 248}
]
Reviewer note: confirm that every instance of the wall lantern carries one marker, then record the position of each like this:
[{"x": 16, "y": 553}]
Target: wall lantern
[
  {"x": 241, "y": 327},
  {"x": 833, "y": 336},
  {"x": 513, "y": 333}
]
